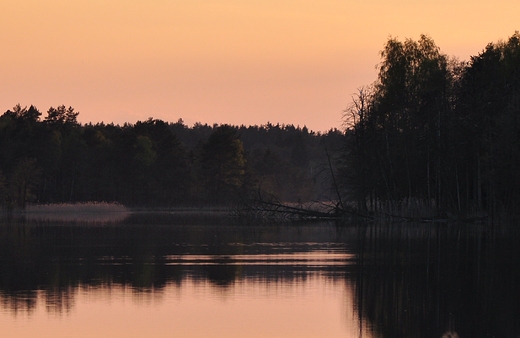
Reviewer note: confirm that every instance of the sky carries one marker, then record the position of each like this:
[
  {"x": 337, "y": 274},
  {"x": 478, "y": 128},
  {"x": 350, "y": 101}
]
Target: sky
[{"x": 221, "y": 61}]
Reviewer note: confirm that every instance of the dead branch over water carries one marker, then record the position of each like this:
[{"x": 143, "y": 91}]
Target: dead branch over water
[{"x": 261, "y": 207}]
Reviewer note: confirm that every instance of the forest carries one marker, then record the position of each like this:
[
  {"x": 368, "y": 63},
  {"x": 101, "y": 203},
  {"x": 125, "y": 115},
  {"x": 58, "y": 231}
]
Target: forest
[
  {"x": 156, "y": 164},
  {"x": 431, "y": 133},
  {"x": 436, "y": 133}
]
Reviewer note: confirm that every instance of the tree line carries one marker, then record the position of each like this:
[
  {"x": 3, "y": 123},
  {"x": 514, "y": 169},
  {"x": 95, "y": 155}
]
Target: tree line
[
  {"x": 436, "y": 131},
  {"x": 153, "y": 163},
  {"x": 431, "y": 132}
]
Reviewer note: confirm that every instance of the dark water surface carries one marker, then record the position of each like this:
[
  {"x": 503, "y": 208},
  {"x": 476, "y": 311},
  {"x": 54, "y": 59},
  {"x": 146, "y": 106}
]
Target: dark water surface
[{"x": 166, "y": 275}]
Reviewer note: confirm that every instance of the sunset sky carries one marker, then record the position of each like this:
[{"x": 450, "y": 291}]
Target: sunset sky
[{"x": 221, "y": 61}]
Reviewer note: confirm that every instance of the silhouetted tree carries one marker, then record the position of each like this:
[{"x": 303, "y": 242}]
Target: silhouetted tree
[
  {"x": 488, "y": 106},
  {"x": 62, "y": 115},
  {"x": 223, "y": 164},
  {"x": 21, "y": 184},
  {"x": 436, "y": 130}
]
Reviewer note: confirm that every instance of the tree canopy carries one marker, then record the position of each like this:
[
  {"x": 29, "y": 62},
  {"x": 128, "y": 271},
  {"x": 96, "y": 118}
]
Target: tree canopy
[
  {"x": 437, "y": 131},
  {"x": 152, "y": 163}
]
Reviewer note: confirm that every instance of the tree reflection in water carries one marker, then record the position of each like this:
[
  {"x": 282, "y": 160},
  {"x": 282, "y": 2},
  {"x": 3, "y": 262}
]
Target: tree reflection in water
[
  {"x": 439, "y": 280},
  {"x": 52, "y": 260},
  {"x": 408, "y": 280}
]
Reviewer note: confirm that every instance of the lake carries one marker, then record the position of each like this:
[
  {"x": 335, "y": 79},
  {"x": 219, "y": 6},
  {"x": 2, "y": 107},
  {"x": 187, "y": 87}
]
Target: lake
[{"x": 191, "y": 275}]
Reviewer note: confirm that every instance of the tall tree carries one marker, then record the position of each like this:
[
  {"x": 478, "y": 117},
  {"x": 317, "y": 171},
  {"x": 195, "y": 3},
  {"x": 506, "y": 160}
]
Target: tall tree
[
  {"x": 223, "y": 164},
  {"x": 397, "y": 130},
  {"x": 21, "y": 184},
  {"x": 489, "y": 106}
]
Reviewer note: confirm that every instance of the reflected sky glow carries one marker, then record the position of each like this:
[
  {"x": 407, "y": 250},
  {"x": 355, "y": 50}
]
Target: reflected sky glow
[
  {"x": 314, "y": 307},
  {"x": 300, "y": 280},
  {"x": 300, "y": 258}
]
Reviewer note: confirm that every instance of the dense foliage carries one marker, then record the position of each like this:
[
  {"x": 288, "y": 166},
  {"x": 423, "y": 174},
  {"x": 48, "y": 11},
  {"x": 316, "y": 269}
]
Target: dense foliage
[
  {"x": 153, "y": 163},
  {"x": 437, "y": 132}
]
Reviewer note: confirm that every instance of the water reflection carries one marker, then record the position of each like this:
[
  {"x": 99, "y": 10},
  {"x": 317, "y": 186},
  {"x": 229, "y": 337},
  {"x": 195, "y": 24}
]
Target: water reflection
[
  {"x": 439, "y": 280},
  {"x": 307, "y": 280},
  {"x": 196, "y": 279}
]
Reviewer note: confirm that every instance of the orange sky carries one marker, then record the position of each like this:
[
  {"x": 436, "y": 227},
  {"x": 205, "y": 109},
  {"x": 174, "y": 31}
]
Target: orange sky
[{"x": 221, "y": 61}]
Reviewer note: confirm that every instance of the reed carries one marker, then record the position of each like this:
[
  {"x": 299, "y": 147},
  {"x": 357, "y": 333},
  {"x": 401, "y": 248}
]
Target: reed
[{"x": 83, "y": 212}]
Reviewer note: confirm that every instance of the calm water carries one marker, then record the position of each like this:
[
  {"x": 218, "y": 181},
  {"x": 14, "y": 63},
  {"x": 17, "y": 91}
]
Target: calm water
[{"x": 162, "y": 275}]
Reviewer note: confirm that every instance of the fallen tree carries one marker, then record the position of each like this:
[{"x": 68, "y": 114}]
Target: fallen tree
[{"x": 268, "y": 207}]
